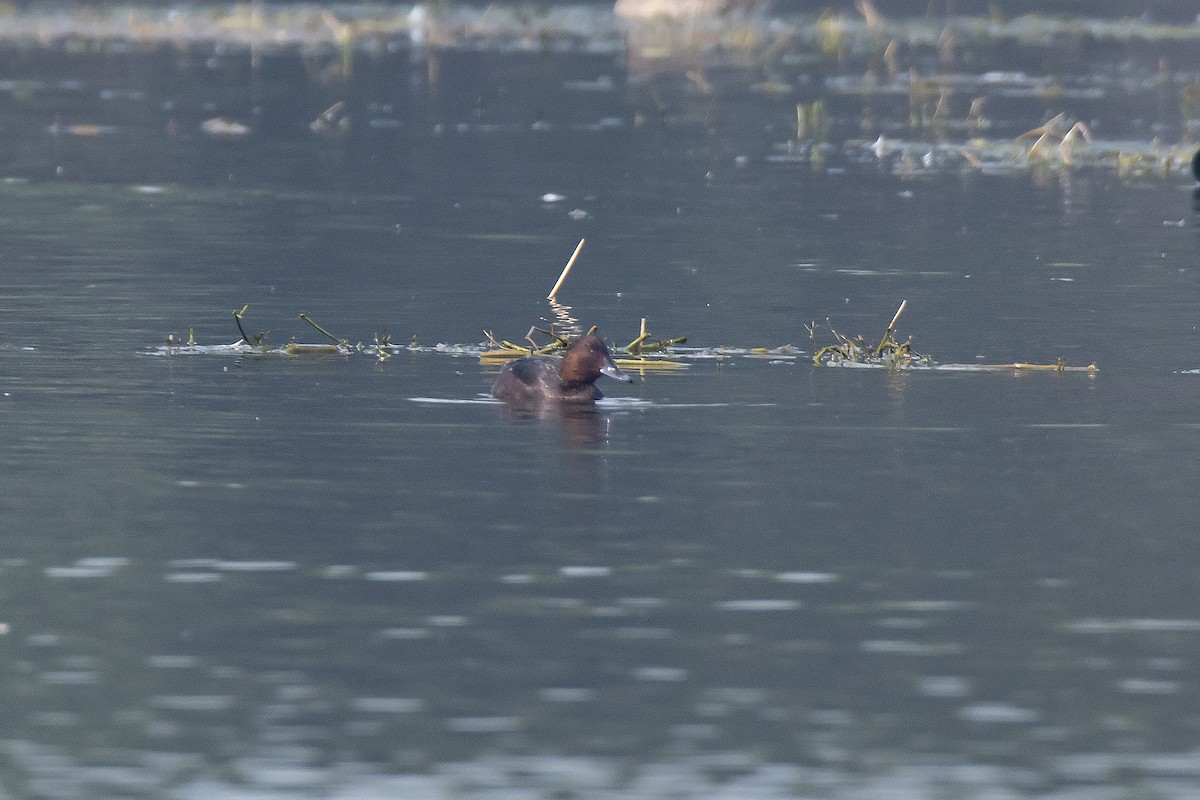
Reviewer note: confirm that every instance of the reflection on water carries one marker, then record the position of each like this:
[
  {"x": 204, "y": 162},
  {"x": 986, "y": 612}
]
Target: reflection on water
[
  {"x": 563, "y": 323},
  {"x": 233, "y": 574},
  {"x": 581, "y": 424}
]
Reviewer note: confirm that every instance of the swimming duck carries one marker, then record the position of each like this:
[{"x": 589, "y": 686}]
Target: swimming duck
[{"x": 539, "y": 379}]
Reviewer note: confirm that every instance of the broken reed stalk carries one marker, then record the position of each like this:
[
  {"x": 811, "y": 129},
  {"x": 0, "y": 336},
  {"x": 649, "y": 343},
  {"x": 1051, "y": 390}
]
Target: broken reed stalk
[
  {"x": 891, "y": 325},
  {"x": 566, "y": 269},
  {"x": 332, "y": 338},
  {"x": 635, "y": 347},
  {"x": 888, "y": 352}
]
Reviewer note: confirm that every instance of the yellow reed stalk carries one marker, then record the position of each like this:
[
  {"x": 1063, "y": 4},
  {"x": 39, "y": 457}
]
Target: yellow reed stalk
[
  {"x": 501, "y": 355},
  {"x": 570, "y": 263},
  {"x": 891, "y": 325},
  {"x": 297, "y": 349},
  {"x": 634, "y": 347},
  {"x": 649, "y": 364}
]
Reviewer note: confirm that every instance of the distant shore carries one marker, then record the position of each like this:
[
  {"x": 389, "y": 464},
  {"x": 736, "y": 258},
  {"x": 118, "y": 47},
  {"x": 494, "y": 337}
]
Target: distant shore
[{"x": 522, "y": 27}]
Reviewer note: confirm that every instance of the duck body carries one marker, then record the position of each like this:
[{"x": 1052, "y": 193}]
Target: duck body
[{"x": 570, "y": 379}]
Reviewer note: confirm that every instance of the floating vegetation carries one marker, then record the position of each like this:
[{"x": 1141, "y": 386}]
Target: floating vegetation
[
  {"x": 888, "y": 353},
  {"x": 1060, "y": 365},
  {"x": 658, "y": 355},
  {"x": 644, "y": 352},
  {"x": 643, "y": 344},
  {"x": 341, "y": 344},
  {"x": 893, "y": 354},
  {"x": 503, "y": 349},
  {"x": 1058, "y": 144}
]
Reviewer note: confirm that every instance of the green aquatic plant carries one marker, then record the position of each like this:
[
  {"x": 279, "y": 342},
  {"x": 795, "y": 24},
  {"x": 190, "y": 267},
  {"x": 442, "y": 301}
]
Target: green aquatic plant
[
  {"x": 890, "y": 352},
  {"x": 338, "y": 345},
  {"x": 339, "y": 342},
  {"x": 500, "y": 349},
  {"x": 642, "y": 343},
  {"x": 643, "y": 352},
  {"x": 380, "y": 346}
]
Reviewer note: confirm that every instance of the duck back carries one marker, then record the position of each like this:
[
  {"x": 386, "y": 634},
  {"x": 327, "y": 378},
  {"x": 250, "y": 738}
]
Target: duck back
[{"x": 570, "y": 378}]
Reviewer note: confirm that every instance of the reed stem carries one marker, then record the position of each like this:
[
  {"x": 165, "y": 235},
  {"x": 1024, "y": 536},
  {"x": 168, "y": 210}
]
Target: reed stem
[
  {"x": 332, "y": 338},
  {"x": 566, "y": 269},
  {"x": 891, "y": 325},
  {"x": 237, "y": 317}
]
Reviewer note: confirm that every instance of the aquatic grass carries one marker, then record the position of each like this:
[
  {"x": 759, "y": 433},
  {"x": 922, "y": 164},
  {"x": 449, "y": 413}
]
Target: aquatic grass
[
  {"x": 503, "y": 349},
  {"x": 889, "y": 352},
  {"x": 662, "y": 355},
  {"x": 1062, "y": 149},
  {"x": 341, "y": 343},
  {"x": 893, "y": 354},
  {"x": 643, "y": 352},
  {"x": 642, "y": 345}
]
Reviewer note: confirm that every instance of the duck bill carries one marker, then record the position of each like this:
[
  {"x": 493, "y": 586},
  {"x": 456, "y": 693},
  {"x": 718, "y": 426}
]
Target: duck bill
[{"x": 611, "y": 370}]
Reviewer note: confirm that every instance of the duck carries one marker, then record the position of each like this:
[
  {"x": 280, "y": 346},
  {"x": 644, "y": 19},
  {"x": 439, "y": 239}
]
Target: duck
[{"x": 570, "y": 379}]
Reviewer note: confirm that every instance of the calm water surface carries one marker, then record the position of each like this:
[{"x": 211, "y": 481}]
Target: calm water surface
[{"x": 237, "y": 576}]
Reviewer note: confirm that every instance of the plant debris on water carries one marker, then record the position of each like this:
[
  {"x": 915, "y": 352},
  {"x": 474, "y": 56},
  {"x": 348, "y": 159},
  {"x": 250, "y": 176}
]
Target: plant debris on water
[
  {"x": 888, "y": 353},
  {"x": 644, "y": 352}
]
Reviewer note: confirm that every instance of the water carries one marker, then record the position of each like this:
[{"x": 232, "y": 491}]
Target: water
[{"x": 240, "y": 575}]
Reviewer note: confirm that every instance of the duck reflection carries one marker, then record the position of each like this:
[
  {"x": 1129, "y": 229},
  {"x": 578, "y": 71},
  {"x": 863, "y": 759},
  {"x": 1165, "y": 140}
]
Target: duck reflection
[{"x": 582, "y": 424}]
